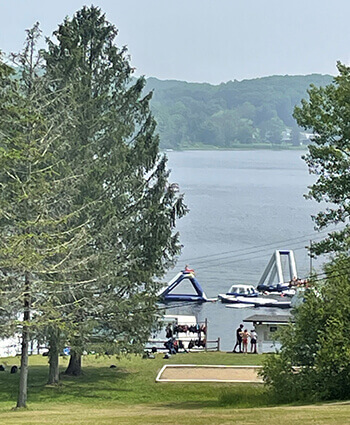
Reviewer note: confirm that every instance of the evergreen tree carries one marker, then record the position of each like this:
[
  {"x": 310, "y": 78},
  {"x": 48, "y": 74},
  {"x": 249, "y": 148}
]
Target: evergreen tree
[
  {"x": 327, "y": 115},
  {"x": 33, "y": 204},
  {"x": 124, "y": 194}
]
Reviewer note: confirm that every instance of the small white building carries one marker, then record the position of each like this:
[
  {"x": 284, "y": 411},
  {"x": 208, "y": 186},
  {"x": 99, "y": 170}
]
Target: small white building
[{"x": 265, "y": 326}]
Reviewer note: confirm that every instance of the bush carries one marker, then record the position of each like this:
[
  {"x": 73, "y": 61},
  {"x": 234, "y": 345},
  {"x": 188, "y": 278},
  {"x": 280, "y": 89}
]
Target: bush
[
  {"x": 314, "y": 362},
  {"x": 245, "y": 396}
]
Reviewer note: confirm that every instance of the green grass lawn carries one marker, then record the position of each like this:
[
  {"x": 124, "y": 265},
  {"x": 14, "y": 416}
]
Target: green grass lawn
[{"x": 129, "y": 394}]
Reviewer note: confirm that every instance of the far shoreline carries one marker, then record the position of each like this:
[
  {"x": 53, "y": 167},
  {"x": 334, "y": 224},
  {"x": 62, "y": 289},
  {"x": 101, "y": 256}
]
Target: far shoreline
[{"x": 302, "y": 148}]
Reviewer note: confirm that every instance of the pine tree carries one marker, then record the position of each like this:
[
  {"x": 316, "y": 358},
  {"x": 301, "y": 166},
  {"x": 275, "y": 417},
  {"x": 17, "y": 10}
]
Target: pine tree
[{"x": 127, "y": 199}]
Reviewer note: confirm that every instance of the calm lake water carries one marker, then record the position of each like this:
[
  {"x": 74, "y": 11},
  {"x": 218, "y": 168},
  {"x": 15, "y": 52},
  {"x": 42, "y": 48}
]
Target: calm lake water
[{"x": 243, "y": 206}]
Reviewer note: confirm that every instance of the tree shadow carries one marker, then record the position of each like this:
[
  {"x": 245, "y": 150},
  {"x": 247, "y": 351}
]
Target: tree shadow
[{"x": 97, "y": 383}]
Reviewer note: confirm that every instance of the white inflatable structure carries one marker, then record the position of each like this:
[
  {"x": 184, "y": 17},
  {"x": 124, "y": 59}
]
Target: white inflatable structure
[{"x": 275, "y": 275}]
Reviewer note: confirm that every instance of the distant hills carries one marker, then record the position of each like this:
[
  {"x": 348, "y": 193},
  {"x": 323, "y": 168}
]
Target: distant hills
[{"x": 237, "y": 113}]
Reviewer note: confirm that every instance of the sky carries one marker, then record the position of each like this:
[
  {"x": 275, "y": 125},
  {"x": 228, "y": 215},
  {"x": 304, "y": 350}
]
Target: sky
[{"x": 211, "y": 41}]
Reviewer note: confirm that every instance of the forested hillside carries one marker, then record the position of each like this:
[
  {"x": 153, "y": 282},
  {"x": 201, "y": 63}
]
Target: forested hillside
[{"x": 248, "y": 112}]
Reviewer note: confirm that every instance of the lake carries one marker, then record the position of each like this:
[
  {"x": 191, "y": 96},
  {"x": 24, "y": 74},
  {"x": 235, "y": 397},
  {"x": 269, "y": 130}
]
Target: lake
[{"x": 243, "y": 206}]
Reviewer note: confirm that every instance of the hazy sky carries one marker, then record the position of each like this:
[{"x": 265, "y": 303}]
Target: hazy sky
[{"x": 206, "y": 40}]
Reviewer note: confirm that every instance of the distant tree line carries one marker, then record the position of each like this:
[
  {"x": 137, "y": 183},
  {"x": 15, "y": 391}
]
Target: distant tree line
[{"x": 247, "y": 112}]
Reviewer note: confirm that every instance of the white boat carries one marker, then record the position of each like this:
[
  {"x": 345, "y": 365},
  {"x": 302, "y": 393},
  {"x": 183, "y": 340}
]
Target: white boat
[
  {"x": 246, "y": 291},
  {"x": 247, "y": 294},
  {"x": 239, "y": 293}
]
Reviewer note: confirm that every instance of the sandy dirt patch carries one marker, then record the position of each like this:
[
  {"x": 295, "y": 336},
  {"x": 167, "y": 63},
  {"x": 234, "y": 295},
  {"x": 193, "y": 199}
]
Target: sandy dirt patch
[{"x": 208, "y": 373}]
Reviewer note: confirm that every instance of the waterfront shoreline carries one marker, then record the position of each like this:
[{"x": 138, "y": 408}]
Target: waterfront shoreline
[{"x": 238, "y": 148}]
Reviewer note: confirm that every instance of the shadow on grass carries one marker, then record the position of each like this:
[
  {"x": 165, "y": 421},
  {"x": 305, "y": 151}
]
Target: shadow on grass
[
  {"x": 235, "y": 396},
  {"x": 99, "y": 383},
  {"x": 246, "y": 397}
]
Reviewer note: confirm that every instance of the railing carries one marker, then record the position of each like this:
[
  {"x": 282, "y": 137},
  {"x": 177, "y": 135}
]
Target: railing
[
  {"x": 214, "y": 347},
  {"x": 211, "y": 345}
]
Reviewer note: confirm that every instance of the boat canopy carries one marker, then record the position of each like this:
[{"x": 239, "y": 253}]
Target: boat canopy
[{"x": 244, "y": 290}]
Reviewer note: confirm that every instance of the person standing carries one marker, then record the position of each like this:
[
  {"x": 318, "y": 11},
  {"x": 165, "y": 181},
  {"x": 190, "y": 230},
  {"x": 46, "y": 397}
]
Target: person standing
[
  {"x": 245, "y": 336},
  {"x": 169, "y": 331},
  {"x": 239, "y": 332},
  {"x": 253, "y": 341}
]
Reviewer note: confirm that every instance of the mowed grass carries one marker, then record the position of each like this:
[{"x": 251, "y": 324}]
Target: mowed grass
[{"x": 128, "y": 394}]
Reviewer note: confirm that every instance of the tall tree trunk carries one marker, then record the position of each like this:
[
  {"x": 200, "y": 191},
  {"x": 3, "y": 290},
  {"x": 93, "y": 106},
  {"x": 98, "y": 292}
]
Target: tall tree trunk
[
  {"x": 23, "y": 377},
  {"x": 53, "y": 364},
  {"x": 74, "y": 366}
]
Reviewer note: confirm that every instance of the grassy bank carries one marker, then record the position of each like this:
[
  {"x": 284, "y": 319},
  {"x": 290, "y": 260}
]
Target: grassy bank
[{"x": 128, "y": 394}]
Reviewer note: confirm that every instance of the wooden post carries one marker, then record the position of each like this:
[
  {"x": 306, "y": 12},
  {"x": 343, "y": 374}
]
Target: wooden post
[
  {"x": 218, "y": 343},
  {"x": 206, "y": 334}
]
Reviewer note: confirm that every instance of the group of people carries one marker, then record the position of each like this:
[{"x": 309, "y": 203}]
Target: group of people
[
  {"x": 242, "y": 338},
  {"x": 296, "y": 282},
  {"x": 172, "y": 331},
  {"x": 174, "y": 345}
]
